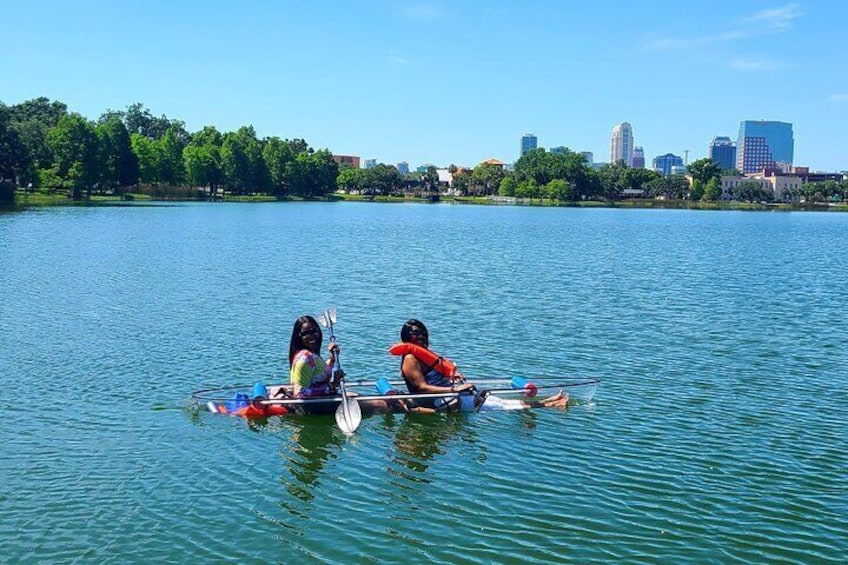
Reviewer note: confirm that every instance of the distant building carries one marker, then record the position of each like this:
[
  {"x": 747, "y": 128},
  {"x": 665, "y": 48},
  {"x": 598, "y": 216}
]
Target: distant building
[
  {"x": 763, "y": 144},
  {"x": 423, "y": 168},
  {"x": 621, "y": 144},
  {"x": 665, "y": 164},
  {"x": 778, "y": 185},
  {"x": 351, "y": 160},
  {"x": 559, "y": 150},
  {"x": 403, "y": 167},
  {"x": 638, "y": 158},
  {"x": 494, "y": 162},
  {"x": 589, "y": 156},
  {"x": 370, "y": 163},
  {"x": 722, "y": 150},
  {"x": 528, "y": 143}
]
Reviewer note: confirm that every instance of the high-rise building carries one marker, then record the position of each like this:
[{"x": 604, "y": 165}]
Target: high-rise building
[
  {"x": 403, "y": 168},
  {"x": 723, "y": 152},
  {"x": 589, "y": 156},
  {"x": 763, "y": 145},
  {"x": 528, "y": 143},
  {"x": 370, "y": 163},
  {"x": 621, "y": 144},
  {"x": 638, "y": 158},
  {"x": 668, "y": 164}
]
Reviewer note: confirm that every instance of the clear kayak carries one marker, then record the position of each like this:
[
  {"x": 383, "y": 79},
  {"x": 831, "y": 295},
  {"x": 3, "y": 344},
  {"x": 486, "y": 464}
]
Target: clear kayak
[{"x": 490, "y": 394}]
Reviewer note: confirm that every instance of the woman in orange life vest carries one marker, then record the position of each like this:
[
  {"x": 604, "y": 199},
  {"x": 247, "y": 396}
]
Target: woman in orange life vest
[
  {"x": 438, "y": 376},
  {"x": 427, "y": 372}
]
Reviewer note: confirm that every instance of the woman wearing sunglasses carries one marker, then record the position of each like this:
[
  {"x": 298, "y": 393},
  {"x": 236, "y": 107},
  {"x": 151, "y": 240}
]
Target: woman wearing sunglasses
[
  {"x": 310, "y": 375},
  {"x": 426, "y": 372}
]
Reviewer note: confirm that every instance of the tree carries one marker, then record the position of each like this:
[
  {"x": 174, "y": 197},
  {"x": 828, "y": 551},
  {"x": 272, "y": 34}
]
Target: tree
[
  {"x": 696, "y": 192},
  {"x": 751, "y": 191},
  {"x": 118, "y": 163},
  {"x": 241, "y": 155},
  {"x": 169, "y": 158},
  {"x": 75, "y": 146},
  {"x": 559, "y": 189},
  {"x": 33, "y": 119},
  {"x": 145, "y": 151},
  {"x": 13, "y": 153},
  {"x": 382, "y": 179},
  {"x": 351, "y": 179},
  {"x": 712, "y": 190},
  {"x": 704, "y": 169},
  {"x": 279, "y": 156},
  {"x": 507, "y": 187},
  {"x": 486, "y": 178}
]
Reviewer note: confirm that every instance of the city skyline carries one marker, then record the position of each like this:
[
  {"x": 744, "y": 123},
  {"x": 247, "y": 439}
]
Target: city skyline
[{"x": 445, "y": 83}]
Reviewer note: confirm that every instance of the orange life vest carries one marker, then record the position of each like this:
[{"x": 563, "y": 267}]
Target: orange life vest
[{"x": 431, "y": 359}]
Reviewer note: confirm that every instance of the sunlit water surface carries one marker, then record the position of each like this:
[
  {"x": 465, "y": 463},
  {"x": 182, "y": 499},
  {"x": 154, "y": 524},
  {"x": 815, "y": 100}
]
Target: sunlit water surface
[{"x": 717, "y": 435}]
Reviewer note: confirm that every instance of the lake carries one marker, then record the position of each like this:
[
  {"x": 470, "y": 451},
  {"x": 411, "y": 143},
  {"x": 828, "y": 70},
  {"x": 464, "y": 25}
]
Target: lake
[{"x": 717, "y": 434}]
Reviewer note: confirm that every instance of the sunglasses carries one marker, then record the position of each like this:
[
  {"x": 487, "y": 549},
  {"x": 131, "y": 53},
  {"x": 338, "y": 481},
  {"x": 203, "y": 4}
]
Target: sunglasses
[
  {"x": 312, "y": 331},
  {"x": 418, "y": 332}
]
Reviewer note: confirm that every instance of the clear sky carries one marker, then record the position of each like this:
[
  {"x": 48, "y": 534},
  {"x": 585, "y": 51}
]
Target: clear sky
[{"x": 448, "y": 81}]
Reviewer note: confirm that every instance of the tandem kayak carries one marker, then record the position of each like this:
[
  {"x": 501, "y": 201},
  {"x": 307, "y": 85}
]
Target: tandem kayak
[{"x": 490, "y": 394}]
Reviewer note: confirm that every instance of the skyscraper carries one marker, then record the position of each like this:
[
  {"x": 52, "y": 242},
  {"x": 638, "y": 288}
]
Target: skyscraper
[
  {"x": 621, "y": 144},
  {"x": 666, "y": 164},
  {"x": 723, "y": 151},
  {"x": 638, "y": 158},
  {"x": 528, "y": 143},
  {"x": 764, "y": 144}
]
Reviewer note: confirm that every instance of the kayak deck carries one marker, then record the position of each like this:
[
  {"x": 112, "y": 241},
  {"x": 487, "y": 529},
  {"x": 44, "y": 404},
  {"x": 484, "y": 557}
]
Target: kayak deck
[{"x": 580, "y": 391}]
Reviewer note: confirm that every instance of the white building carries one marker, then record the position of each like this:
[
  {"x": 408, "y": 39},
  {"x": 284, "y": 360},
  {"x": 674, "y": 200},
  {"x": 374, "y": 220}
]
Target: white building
[{"x": 621, "y": 144}]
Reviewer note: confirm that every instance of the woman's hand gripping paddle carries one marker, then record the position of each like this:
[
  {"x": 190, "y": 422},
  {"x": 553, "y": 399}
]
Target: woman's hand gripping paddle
[{"x": 348, "y": 414}]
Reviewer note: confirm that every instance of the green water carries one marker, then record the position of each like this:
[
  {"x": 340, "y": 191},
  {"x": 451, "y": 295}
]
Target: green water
[{"x": 717, "y": 435}]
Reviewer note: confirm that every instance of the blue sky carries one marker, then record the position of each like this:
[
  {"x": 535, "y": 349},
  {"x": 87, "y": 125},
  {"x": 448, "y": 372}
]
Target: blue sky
[{"x": 446, "y": 81}]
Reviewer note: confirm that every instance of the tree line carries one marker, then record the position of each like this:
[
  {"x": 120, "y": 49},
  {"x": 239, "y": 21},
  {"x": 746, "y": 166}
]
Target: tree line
[{"x": 42, "y": 145}]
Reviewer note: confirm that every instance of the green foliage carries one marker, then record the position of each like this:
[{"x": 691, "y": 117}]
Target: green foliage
[
  {"x": 751, "y": 191},
  {"x": 13, "y": 154},
  {"x": 486, "y": 179},
  {"x": 674, "y": 187},
  {"x": 382, "y": 179},
  {"x": 543, "y": 167},
  {"x": 712, "y": 190},
  {"x": 75, "y": 146},
  {"x": 697, "y": 190},
  {"x": 561, "y": 190},
  {"x": 508, "y": 187},
  {"x": 118, "y": 164},
  {"x": 703, "y": 170},
  {"x": 351, "y": 180},
  {"x": 145, "y": 151}
]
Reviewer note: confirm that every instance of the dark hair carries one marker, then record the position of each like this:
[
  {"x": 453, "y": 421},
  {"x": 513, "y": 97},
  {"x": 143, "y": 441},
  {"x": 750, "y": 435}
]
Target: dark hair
[
  {"x": 406, "y": 331},
  {"x": 296, "y": 343}
]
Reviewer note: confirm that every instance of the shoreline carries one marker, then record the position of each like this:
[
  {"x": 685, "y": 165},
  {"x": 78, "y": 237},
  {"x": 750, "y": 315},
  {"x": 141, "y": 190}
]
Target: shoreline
[{"x": 24, "y": 200}]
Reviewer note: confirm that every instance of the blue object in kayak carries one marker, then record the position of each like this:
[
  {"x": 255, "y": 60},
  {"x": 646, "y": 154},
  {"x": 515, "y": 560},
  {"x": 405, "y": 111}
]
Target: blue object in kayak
[
  {"x": 259, "y": 390},
  {"x": 239, "y": 400},
  {"x": 384, "y": 386},
  {"x": 519, "y": 383}
]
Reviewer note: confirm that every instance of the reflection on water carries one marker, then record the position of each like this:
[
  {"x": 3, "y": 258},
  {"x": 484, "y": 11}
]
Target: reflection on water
[{"x": 312, "y": 441}]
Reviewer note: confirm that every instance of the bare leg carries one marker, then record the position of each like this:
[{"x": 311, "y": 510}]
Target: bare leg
[{"x": 559, "y": 400}]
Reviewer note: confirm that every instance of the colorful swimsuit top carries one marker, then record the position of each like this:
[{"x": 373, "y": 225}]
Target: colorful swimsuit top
[{"x": 311, "y": 373}]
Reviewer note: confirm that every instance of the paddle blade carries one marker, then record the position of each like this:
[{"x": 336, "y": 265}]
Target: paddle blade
[
  {"x": 324, "y": 319},
  {"x": 348, "y": 415}
]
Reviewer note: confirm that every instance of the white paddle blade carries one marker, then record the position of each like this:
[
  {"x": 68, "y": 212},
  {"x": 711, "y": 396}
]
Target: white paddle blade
[
  {"x": 348, "y": 415},
  {"x": 324, "y": 319},
  {"x": 331, "y": 314}
]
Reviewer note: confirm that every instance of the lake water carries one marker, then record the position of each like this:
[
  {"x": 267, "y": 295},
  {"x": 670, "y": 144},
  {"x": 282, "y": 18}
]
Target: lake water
[{"x": 718, "y": 434}]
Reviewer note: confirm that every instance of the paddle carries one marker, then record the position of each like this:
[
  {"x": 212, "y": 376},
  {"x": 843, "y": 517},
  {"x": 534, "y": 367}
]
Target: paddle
[{"x": 348, "y": 414}]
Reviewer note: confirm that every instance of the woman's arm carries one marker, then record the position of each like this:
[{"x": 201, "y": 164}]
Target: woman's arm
[{"x": 418, "y": 384}]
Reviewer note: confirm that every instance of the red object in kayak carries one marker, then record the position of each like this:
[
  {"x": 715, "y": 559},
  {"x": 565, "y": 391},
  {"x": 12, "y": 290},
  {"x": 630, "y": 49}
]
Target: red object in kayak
[{"x": 431, "y": 359}]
